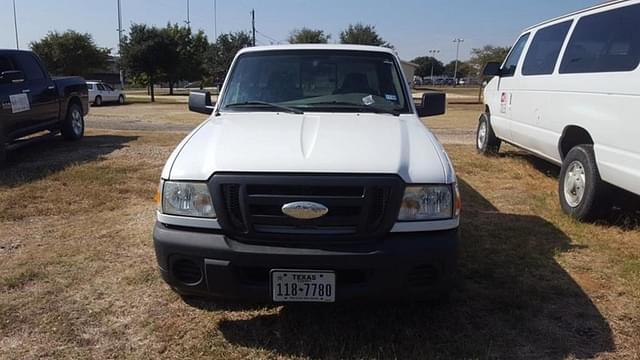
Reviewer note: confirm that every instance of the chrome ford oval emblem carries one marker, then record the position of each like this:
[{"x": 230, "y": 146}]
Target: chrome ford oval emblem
[{"x": 304, "y": 210}]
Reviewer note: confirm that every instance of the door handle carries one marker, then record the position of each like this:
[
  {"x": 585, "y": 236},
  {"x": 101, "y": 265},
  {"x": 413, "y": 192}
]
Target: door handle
[
  {"x": 26, "y": 91},
  {"x": 51, "y": 87}
]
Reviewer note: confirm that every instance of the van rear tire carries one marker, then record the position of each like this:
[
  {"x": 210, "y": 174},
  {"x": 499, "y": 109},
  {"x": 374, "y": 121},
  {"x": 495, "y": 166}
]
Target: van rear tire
[
  {"x": 486, "y": 141},
  {"x": 583, "y": 194}
]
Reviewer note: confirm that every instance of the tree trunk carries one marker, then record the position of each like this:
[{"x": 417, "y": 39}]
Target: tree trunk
[
  {"x": 170, "y": 87},
  {"x": 153, "y": 95}
]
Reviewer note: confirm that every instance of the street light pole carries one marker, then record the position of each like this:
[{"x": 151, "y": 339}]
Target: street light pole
[
  {"x": 215, "y": 21},
  {"x": 433, "y": 53},
  {"x": 188, "y": 22},
  {"x": 15, "y": 24},
  {"x": 120, "y": 45},
  {"x": 455, "y": 71}
]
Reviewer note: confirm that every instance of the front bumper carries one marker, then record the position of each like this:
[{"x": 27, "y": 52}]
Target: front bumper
[{"x": 400, "y": 266}]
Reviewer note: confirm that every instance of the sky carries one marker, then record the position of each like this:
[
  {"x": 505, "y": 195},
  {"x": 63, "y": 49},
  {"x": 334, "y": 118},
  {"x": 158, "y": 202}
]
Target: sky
[{"x": 412, "y": 26}]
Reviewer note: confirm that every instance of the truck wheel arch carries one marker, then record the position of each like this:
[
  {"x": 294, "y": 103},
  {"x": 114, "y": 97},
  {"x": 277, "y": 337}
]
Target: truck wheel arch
[
  {"x": 572, "y": 136},
  {"x": 72, "y": 100}
]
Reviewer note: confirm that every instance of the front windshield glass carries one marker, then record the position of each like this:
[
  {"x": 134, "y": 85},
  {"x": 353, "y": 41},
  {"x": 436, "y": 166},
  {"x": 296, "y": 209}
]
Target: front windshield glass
[{"x": 312, "y": 80}]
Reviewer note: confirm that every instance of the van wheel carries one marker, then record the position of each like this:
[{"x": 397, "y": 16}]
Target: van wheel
[
  {"x": 73, "y": 125},
  {"x": 98, "y": 101},
  {"x": 486, "y": 141},
  {"x": 121, "y": 99},
  {"x": 583, "y": 194}
]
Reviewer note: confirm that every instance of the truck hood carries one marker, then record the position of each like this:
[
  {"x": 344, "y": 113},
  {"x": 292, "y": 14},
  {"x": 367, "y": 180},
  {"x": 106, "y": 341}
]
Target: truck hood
[{"x": 311, "y": 143}]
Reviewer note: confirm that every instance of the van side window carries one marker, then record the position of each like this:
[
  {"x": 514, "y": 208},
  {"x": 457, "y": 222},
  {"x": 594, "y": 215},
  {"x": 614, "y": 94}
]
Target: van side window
[
  {"x": 604, "y": 42},
  {"x": 543, "y": 52},
  {"x": 510, "y": 65}
]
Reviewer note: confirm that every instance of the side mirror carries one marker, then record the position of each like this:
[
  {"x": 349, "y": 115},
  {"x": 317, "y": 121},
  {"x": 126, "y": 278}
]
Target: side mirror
[
  {"x": 492, "y": 69},
  {"x": 11, "y": 76},
  {"x": 200, "y": 102},
  {"x": 433, "y": 103}
]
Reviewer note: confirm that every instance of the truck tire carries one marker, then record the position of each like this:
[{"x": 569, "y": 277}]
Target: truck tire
[
  {"x": 583, "y": 194},
  {"x": 486, "y": 141},
  {"x": 73, "y": 125},
  {"x": 98, "y": 101},
  {"x": 121, "y": 99}
]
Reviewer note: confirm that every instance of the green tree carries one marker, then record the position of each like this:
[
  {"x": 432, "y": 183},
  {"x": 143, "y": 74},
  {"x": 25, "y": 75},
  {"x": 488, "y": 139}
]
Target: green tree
[
  {"x": 71, "y": 53},
  {"x": 222, "y": 52},
  {"x": 424, "y": 66},
  {"x": 464, "y": 69},
  {"x": 147, "y": 51},
  {"x": 308, "y": 36},
  {"x": 488, "y": 53},
  {"x": 185, "y": 56},
  {"x": 363, "y": 35}
]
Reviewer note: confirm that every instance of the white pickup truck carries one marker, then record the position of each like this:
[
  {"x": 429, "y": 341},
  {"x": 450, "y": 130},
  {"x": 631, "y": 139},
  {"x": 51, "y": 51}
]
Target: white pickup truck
[{"x": 313, "y": 180}]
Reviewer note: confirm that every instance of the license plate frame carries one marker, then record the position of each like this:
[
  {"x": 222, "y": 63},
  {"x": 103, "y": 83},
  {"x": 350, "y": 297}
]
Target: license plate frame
[{"x": 313, "y": 286}]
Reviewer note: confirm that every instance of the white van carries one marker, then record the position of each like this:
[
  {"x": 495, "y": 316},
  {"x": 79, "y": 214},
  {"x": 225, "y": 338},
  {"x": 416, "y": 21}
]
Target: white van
[{"x": 569, "y": 92}]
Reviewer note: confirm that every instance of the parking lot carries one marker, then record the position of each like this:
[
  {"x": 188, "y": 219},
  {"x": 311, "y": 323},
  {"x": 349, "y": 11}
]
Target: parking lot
[{"x": 79, "y": 279}]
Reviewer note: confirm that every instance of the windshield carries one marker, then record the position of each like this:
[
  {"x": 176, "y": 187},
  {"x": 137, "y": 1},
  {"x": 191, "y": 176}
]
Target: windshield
[{"x": 316, "y": 80}]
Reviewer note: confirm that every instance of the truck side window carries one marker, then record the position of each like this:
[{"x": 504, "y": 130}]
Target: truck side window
[
  {"x": 30, "y": 67},
  {"x": 604, "y": 42},
  {"x": 100, "y": 87},
  {"x": 510, "y": 65},
  {"x": 5, "y": 64},
  {"x": 543, "y": 52}
]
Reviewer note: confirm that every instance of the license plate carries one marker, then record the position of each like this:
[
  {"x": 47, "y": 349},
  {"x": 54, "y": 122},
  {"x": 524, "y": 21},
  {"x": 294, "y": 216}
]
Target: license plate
[{"x": 303, "y": 286}]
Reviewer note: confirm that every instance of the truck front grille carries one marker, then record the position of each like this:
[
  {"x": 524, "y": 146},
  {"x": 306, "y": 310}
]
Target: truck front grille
[{"x": 360, "y": 207}]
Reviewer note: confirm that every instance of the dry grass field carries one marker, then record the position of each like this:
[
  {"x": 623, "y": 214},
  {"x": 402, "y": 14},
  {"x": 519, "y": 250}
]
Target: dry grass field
[{"x": 78, "y": 277}]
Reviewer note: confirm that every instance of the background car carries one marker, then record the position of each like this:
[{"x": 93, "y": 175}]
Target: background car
[{"x": 100, "y": 93}]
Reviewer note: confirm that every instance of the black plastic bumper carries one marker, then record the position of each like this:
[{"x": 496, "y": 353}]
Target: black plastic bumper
[{"x": 401, "y": 266}]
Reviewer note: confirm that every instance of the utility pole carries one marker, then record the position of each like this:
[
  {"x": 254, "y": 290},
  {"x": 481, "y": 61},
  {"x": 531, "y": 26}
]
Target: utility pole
[
  {"x": 120, "y": 45},
  {"x": 215, "y": 21},
  {"x": 433, "y": 53},
  {"x": 253, "y": 26},
  {"x": 455, "y": 71},
  {"x": 188, "y": 22},
  {"x": 15, "y": 24}
]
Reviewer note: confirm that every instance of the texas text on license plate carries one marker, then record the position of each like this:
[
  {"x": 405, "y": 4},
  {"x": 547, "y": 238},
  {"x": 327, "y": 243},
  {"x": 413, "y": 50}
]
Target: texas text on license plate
[{"x": 303, "y": 286}]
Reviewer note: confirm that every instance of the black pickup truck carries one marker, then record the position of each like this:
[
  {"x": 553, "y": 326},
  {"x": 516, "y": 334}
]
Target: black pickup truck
[{"x": 31, "y": 101}]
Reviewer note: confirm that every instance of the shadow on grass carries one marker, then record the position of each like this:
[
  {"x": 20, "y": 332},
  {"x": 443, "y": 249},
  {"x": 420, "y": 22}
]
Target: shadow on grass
[
  {"x": 40, "y": 159},
  {"x": 625, "y": 212},
  {"x": 512, "y": 300}
]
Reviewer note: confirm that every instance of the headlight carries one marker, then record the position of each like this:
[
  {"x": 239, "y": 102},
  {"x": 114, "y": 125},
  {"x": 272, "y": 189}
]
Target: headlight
[
  {"x": 187, "y": 199},
  {"x": 430, "y": 202}
]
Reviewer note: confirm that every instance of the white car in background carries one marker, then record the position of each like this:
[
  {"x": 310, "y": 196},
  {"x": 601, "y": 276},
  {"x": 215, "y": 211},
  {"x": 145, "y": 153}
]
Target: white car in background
[{"x": 100, "y": 92}]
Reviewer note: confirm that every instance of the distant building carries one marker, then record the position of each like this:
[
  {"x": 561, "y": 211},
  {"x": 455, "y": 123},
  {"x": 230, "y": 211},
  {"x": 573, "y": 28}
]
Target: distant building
[
  {"x": 111, "y": 75},
  {"x": 409, "y": 70}
]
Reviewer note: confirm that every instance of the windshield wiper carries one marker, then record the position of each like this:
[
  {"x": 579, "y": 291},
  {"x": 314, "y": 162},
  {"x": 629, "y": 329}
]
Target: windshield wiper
[
  {"x": 265, "y": 104},
  {"x": 371, "y": 108}
]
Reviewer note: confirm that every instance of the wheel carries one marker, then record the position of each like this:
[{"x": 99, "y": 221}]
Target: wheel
[
  {"x": 583, "y": 194},
  {"x": 486, "y": 141},
  {"x": 121, "y": 99},
  {"x": 98, "y": 101},
  {"x": 73, "y": 125}
]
